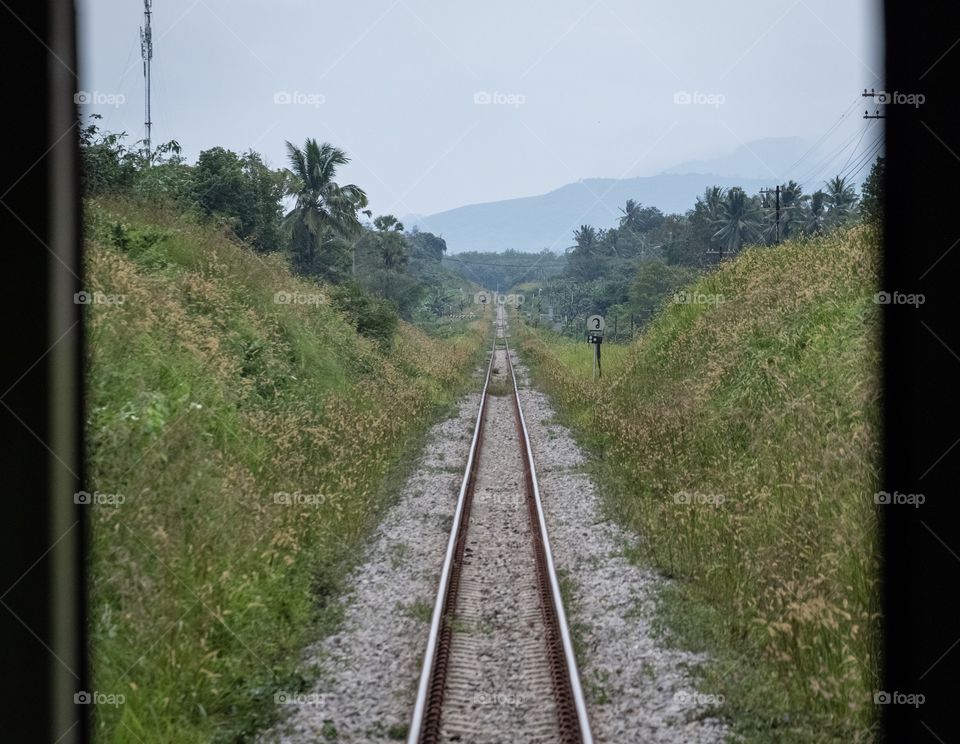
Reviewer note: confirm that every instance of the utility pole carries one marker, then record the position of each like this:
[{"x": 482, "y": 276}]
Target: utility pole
[
  {"x": 146, "y": 52},
  {"x": 777, "y": 192},
  {"x": 872, "y": 94}
]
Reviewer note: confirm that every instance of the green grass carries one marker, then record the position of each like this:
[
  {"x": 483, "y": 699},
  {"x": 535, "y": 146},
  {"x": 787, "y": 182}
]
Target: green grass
[
  {"x": 740, "y": 442},
  {"x": 253, "y": 442}
]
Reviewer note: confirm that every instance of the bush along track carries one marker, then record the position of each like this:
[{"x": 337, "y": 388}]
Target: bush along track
[
  {"x": 738, "y": 438},
  {"x": 244, "y": 430}
]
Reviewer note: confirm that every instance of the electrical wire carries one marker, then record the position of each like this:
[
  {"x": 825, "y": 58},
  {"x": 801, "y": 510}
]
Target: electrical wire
[
  {"x": 815, "y": 173},
  {"x": 847, "y": 162},
  {"x": 825, "y": 135},
  {"x": 864, "y": 159}
]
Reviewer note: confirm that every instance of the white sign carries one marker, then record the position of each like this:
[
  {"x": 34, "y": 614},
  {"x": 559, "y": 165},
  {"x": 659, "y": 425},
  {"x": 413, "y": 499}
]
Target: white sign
[{"x": 595, "y": 323}]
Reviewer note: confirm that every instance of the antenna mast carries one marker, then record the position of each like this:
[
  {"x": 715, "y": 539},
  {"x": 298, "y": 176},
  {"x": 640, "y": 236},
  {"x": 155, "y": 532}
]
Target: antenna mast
[{"x": 146, "y": 52}]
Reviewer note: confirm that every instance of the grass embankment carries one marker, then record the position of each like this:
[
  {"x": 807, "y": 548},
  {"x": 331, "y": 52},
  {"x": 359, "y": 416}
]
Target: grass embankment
[
  {"x": 740, "y": 441},
  {"x": 250, "y": 441}
]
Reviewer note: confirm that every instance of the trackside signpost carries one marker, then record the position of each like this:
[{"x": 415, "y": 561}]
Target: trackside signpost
[{"x": 595, "y": 336}]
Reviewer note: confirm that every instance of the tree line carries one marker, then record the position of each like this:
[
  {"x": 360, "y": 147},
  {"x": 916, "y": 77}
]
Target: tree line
[
  {"x": 628, "y": 270},
  {"x": 381, "y": 271}
]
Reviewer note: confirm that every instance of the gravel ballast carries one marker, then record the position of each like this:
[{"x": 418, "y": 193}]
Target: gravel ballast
[
  {"x": 368, "y": 670},
  {"x": 637, "y": 688}
]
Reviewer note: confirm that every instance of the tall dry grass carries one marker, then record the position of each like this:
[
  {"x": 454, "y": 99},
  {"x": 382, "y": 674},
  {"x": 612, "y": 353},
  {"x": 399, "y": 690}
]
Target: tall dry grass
[
  {"x": 251, "y": 442},
  {"x": 740, "y": 442}
]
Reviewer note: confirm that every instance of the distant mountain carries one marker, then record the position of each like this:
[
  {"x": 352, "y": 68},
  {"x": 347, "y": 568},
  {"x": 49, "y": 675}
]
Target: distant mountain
[
  {"x": 768, "y": 158},
  {"x": 532, "y": 223}
]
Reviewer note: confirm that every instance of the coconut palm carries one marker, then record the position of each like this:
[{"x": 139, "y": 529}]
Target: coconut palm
[
  {"x": 816, "y": 213},
  {"x": 712, "y": 202},
  {"x": 585, "y": 238},
  {"x": 841, "y": 200},
  {"x": 737, "y": 222},
  {"x": 325, "y": 211}
]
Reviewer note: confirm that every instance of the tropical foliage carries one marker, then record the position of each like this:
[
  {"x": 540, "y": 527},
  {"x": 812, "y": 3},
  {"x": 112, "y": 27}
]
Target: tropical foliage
[
  {"x": 630, "y": 270},
  {"x": 320, "y": 225}
]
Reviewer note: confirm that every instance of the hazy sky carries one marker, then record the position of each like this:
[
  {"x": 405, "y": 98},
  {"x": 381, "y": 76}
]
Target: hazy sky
[{"x": 441, "y": 104}]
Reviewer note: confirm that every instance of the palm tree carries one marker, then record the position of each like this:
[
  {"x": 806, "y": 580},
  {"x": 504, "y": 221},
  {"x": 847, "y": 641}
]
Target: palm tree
[
  {"x": 631, "y": 211},
  {"x": 393, "y": 251},
  {"x": 814, "y": 216},
  {"x": 706, "y": 212},
  {"x": 325, "y": 210},
  {"x": 712, "y": 201},
  {"x": 388, "y": 222},
  {"x": 737, "y": 222},
  {"x": 437, "y": 301},
  {"x": 585, "y": 237},
  {"x": 841, "y": 199}
]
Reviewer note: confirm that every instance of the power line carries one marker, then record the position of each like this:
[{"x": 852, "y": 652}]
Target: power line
[
  {"x": 869, "y": 160},
  {"x": 825, "y": 135},
  {"x": 877, "y": 143},
  {"x": 814, "y": 175},
  {"x": 844, "y": 167},
  {"x": 867, "y": 157},
  {"x": 814, "y": 172}
]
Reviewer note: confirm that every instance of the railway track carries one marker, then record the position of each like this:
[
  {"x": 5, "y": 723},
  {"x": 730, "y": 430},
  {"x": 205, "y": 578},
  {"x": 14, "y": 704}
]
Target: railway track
[{"x": 499, "y": 664}]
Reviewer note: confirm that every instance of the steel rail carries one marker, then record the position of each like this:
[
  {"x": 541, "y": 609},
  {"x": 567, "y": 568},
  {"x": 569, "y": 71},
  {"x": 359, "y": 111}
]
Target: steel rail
[
  {"x": 545, "y": 563},
  {"x": 436, "y": 623}
]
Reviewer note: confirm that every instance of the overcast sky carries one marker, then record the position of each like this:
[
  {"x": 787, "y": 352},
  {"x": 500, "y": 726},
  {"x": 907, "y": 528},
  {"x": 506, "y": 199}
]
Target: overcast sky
[{"x": 441, "y": 104}]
